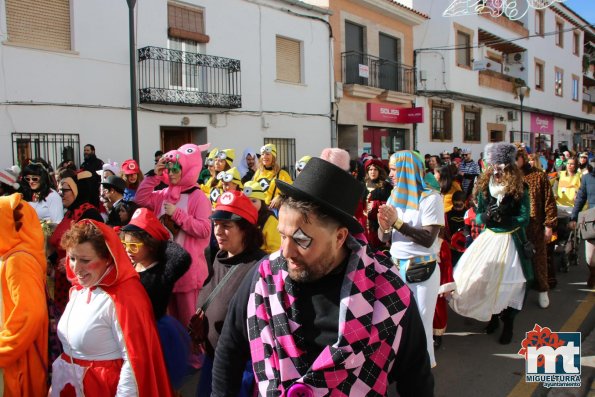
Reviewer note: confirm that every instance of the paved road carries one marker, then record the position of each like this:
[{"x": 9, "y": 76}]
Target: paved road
[{"x": 472, "y": 364}]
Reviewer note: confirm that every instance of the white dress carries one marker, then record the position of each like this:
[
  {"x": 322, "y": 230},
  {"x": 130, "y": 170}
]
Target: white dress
[{"x": 489, "y": 277}]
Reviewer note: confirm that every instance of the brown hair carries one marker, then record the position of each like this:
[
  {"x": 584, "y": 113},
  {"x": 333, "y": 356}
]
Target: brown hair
[
  {"x": 156, "y": 247},
  {"x": 134, "y": 185},
  {"x": 512, "y": 179},
  {"x": 85, "y": 232},
  {"x": 307, "y": 209},
  {"x": 381, "y": 175}
]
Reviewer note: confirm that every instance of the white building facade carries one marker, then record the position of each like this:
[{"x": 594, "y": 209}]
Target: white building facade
[
  {"x": 469, "y": 69},
  {"x": 235, "y": 73}
]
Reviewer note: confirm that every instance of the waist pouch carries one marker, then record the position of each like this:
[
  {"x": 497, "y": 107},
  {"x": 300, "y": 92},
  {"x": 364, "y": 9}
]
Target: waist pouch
[{"x": 420, "y": 272}]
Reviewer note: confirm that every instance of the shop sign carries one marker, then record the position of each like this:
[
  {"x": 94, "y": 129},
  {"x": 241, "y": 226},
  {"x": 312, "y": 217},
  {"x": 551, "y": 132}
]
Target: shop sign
[
  {"x": 394, "y": 114},
  {"x": 542, "y": 124}
]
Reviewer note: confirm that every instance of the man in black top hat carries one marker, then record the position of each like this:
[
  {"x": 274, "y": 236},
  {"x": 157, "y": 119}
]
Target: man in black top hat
[
  {"x": 113, "y": 193},
  {"x": 324, "y": 314}
]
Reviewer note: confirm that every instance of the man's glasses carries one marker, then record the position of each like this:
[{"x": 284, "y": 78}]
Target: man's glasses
[
  {"x": 445, "y": 158},
  {"x": 62, "y": 192},
  {"x": 132, "y": 247},
  {"x": 30, "y": 178}
]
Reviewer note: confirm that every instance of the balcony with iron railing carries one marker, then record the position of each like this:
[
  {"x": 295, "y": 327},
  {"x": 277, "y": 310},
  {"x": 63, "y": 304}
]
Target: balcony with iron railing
[
  {"x": 172, "y": 77},
  {"x": 383, "y": 74}
]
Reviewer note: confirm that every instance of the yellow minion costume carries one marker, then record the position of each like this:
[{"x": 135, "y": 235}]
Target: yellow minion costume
[
  {"x": 268, "y": 224},
  {"x": 232, "y": 175},
  {"x": 266, "y": 176}
]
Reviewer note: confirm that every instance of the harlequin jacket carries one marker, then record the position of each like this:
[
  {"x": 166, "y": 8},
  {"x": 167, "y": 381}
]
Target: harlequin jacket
[{"x": 378, "y": 331}]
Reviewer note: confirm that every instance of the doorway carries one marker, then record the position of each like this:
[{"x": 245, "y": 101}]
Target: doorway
[
  {"x": 174, "y": 137},
  {"x": 382, "y": 142}
]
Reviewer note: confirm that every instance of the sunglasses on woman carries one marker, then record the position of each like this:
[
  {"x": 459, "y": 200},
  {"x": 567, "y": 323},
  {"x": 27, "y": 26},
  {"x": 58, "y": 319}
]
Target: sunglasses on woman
[
  {"x": 224, "y": 176},
  {"x": 32, "y": 178},
  {"x": 133, "y": 248}
]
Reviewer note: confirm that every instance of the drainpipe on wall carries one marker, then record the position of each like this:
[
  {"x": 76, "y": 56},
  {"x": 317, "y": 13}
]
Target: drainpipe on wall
[{"x": 415, "y": 99}]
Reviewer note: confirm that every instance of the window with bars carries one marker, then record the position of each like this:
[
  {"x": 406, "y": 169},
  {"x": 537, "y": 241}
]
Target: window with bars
[
  {"x": 441, "y": 122},
  {"x": 471, "y": 124},
  {"x": 183, "y": 75},
  {"x": 53, "y": 148},
  {"x": 286, "y": 156},
  {"x": 39, "y": 23},
  {"x": 289, "y": 60}
]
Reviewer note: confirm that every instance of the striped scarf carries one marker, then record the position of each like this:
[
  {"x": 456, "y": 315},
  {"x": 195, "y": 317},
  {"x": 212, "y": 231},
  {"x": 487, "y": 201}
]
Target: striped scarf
[{"x": 409, "y": 186}]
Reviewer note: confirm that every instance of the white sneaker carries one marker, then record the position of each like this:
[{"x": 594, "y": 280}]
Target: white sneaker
[{"x": 544, "y": 300}]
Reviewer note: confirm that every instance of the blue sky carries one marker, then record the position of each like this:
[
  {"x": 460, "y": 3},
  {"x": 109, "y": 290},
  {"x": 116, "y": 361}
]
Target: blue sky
[{"x": 585, "y": 8}]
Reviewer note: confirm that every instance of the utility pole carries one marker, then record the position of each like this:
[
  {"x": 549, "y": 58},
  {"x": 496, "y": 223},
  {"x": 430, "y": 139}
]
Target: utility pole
[{"x": 133, "y": 106}]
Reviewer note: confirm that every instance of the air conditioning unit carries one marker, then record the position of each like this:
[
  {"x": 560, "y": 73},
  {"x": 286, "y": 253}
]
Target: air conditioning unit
[
  {"x": 516, "y": 57},
  {"x": 513, "y": 115}
]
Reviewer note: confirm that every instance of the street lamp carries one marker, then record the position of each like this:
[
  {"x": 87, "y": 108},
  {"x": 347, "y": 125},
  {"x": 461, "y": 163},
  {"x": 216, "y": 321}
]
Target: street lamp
[
  {"x": 521, "y": 91},
  {"x": 133, "y": 106}
]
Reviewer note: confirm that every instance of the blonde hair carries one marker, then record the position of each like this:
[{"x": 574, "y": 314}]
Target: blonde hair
[{"x": 536, "y": 162}]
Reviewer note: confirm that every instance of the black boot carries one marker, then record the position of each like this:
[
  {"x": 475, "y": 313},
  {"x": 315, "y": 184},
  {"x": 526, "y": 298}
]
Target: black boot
[
  {"x": 508, "y": 319},
  {"x": 493, "y": 324},
  {"x": 437, "y": 341}
]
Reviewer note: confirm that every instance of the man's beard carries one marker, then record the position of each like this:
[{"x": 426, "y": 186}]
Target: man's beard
[{"x": 311, "y": 273}]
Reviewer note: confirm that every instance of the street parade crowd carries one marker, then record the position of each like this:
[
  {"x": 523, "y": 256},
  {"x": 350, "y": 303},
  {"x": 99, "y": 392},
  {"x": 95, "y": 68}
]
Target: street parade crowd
[{"x": 333, "y": 281}]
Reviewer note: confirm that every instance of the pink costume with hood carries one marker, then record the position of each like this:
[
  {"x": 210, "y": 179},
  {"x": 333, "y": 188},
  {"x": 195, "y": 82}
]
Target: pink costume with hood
[{"x": 191, "y": 215}]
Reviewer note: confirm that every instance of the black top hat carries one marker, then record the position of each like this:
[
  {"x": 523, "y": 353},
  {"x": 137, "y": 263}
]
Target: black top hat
[
  {"x": 115, "y": 182},
  {"x": 335, "y": 191}
]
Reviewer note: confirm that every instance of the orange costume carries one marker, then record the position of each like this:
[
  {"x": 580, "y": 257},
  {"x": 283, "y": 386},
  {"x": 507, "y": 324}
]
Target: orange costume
[{"x": 24, "y": 317}]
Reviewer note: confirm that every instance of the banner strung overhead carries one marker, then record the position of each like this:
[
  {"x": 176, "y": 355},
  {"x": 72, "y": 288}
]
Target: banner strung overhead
[{"x": 513, "y": 9}]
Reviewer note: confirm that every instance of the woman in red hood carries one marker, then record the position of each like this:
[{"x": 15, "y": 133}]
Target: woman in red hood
[{"x": 108, "y": 333}]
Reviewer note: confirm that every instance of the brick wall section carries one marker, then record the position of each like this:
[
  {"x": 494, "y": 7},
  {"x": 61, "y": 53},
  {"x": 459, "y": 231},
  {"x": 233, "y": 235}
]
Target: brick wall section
[{"x": 41, "y": 23}]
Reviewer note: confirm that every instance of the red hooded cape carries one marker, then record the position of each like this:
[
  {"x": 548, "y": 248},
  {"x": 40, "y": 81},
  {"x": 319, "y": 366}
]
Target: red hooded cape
[{"x": 135, "y": 315}]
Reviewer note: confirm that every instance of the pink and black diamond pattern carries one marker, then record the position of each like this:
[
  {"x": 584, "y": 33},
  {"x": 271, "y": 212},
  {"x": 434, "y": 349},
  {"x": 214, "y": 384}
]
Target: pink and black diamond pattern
[{"x": 373, "y": 302}]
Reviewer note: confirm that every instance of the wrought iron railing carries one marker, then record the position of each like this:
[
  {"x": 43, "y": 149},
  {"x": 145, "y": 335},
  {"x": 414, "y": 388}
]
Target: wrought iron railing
[
  {"x": 184, "y": 78},
  {"x": 364, "y": 69}
]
